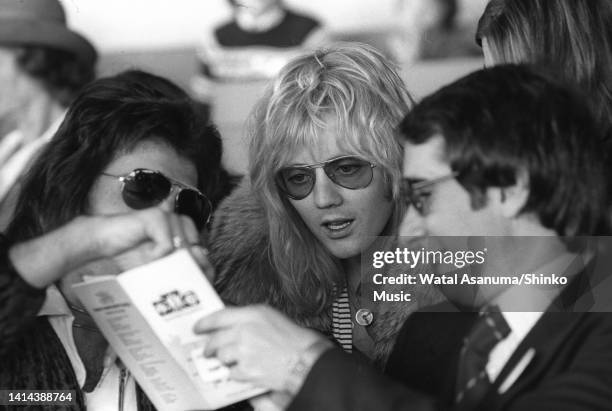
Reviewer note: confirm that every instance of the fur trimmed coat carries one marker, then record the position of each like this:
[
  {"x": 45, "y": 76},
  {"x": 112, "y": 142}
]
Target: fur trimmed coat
[{"x": 240, "y": 252}]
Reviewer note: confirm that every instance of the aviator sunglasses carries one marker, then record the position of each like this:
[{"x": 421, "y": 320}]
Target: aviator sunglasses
[
  {"x": 143, "y": 188},
  {"x": 349, "y": 172}
]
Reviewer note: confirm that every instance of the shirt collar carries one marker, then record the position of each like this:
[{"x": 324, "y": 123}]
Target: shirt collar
[
  {"x": 57, "y": 310},
  {"x": 55, "y": 304},
  {"x": 521, "y": 323}
]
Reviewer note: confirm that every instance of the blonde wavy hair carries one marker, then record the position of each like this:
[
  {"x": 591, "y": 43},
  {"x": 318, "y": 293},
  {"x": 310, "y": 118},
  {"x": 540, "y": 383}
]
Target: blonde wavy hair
[{"x": 361, "y": 90}]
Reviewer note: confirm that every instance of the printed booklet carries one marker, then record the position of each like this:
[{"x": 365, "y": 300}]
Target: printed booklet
[{"x": 147, "y": 315}]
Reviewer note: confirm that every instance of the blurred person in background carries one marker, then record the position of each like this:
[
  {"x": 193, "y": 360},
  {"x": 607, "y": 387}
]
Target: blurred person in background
[
  {"x": 43, "y": 64},
  {"x": 572, "y": 38},
  {"x": 127, "y": 142},
  {"x": 262, "y": 37},
  {"x": 430, "y": 29}
]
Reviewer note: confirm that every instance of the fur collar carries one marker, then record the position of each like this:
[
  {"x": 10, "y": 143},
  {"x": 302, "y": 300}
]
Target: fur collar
[{"x": 239, "y": 250}]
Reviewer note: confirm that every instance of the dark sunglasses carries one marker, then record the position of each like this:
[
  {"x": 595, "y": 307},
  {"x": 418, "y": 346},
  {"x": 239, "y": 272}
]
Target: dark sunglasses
[
  {"x": 349, "y": 172},
  {"x": 143, "y": 188},
  {"x": 416, "y": 194}
]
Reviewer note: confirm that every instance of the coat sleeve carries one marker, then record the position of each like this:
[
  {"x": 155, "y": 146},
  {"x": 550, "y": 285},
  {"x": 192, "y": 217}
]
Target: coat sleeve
[
  {"x": 19, "y": 301},
  {"x": 338, "y": 383}
]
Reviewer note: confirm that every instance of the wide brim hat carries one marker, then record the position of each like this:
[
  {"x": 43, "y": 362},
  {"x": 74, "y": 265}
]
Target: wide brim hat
[{"x": 41, "y": 23}]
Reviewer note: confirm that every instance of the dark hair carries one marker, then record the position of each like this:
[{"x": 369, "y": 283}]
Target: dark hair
[
  {"x": 62, "y": 73},
  {"x": 506, "y": 120},
  {"x": 109, "y": 117},
  {"x": 573, "y": 38}
]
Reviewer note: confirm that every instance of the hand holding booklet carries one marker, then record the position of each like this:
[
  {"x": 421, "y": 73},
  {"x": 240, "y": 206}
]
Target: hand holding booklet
[{"x": 147, "y": 315}]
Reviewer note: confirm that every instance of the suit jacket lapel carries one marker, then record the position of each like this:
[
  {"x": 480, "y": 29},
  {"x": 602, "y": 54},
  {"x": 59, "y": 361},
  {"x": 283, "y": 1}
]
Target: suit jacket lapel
[
  {"x": 545, "y": 338},
  {"x": 427, "y": 347}
]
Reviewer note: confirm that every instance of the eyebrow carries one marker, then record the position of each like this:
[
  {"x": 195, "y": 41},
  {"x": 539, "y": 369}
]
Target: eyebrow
[
  {"x": 419, "y": 183},
  {"x": 324, "y": 161}
]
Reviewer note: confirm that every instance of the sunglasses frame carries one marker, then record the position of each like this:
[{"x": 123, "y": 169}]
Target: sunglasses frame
[
  {"x": 123, "y": 178},
  {"x": 410, "y": 191},
  {"x": 322, "y": 164}
]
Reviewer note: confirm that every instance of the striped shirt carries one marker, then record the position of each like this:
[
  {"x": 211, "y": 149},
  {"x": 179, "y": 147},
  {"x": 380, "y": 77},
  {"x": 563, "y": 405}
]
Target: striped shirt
[{"x": 342, "y": 325}]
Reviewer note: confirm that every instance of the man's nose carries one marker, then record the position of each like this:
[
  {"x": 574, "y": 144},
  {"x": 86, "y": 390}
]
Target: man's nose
[{"x": 326, "y": 192}]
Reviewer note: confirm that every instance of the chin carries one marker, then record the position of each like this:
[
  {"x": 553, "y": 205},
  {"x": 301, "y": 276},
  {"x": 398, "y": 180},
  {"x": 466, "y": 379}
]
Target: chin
[{"x": 345, "y": 251}]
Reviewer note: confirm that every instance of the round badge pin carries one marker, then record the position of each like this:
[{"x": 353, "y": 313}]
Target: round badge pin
[{"x": 364, "y": 317}]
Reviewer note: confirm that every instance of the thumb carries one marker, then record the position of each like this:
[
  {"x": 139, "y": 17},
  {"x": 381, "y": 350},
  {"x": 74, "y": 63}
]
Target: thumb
[{"x": 200, "y": 254}]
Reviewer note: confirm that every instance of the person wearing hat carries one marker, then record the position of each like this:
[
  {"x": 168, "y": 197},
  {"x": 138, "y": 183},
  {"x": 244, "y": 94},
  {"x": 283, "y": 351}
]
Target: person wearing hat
[{"x": 43, "y": 64}]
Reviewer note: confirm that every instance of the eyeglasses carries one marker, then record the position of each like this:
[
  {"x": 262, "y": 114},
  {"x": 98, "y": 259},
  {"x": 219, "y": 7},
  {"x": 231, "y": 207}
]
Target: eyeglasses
[
  {"x": 416, "y": 195},
  {"x": 297, "y": 182},
  {"x": 143, "y": 188}
]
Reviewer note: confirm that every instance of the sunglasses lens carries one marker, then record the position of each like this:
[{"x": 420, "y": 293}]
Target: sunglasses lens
[
  {"x": 145, "y": 189},
  {"x": 350, "y": 172},
  {"x": 193, "y": 204},
  {"x": 297, "y": 182}
]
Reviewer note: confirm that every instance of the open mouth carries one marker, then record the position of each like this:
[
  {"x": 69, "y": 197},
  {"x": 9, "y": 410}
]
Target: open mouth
[{"x": 338, "y": 225}]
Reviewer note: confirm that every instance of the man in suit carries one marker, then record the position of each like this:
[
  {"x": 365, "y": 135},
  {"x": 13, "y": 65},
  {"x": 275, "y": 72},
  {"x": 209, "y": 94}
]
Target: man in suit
[{"x": 509, "y": 156}]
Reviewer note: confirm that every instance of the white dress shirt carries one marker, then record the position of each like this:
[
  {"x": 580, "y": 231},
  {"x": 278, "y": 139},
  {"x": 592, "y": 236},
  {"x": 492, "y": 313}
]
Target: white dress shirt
[
  {"x": 520, "y": 324},
  {"x": 537, "y": 298}
]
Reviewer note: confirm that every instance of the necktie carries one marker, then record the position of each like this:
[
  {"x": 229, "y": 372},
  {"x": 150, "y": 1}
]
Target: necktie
[{"x": 472, "y": 379}]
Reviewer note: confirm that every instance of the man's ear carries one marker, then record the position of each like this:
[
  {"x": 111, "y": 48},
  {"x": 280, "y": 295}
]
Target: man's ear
[{"x": 509, "y": 201}]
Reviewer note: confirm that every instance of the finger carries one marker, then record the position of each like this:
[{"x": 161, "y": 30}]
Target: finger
[
  {"x": 218, "y": 340},
  {"x": 189, "y": 230},
  {"x": 237, "y": 374},
  {"x": 179, "y": 238},
  {"x": 200, "y": 254},
  {"x": 158, "y": 229},
  {"x": 228, "y": 355},
  {"x": 116, "y": 234},
  {"x": 221, "y": 319},
  {"x": 135, "y": 257},
  {"x": 271, "y": 401}
]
